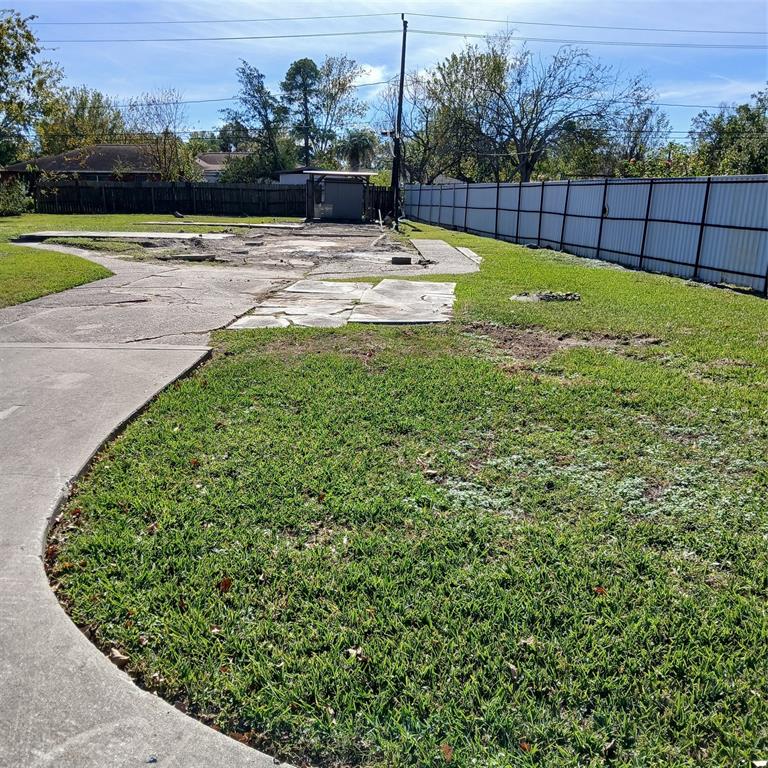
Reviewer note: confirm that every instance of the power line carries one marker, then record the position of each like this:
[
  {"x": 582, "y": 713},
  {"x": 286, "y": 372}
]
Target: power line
[
  {"x": 144, "y": 22},
  {"x": 589, "y": 26},
  {"x": 131, "y": 103},
  {"x": 224, "y": 38},
  {"x": 210, "y": 21},
  {"x": 439, "y": 33},
  {"x": 621, "y": 43}
]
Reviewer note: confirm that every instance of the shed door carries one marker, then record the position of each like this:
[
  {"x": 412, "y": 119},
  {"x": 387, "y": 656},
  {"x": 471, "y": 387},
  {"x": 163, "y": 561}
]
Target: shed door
[{"x": 343, "y": 200}]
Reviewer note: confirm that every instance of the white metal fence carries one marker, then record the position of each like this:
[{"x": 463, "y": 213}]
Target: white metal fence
[{"x": 711, "y": 229}]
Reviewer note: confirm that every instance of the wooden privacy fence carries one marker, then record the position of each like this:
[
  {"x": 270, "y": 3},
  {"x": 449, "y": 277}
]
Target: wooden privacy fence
[
  {"x": 96, "y": 197},
  {"x": 713, "y": 229}
]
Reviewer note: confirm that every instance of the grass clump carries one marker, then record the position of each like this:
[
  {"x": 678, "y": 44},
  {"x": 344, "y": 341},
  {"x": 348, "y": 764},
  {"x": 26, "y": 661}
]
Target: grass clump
[{"x": 369, "y": 547}]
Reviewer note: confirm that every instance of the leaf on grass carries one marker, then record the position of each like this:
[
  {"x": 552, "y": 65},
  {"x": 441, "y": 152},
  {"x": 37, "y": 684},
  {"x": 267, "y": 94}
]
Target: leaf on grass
[
  {"x": 224, "y": 585},
  {"x": 357, "y": 653},
  {"x": 525, "y": 746},
  {"x": 600, "y": 590},
  {"x": 447, "y": 752},
  {"x": 194, "y": 463},
  {"x": 152, "y": 529},
  {"x": 117, "y": 658}
]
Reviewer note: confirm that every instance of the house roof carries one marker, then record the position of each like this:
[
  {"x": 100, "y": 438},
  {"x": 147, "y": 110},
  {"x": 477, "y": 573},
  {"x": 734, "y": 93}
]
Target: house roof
[
  {"x": 96, "y": 158},
  {"x": 215, "y": 161}
]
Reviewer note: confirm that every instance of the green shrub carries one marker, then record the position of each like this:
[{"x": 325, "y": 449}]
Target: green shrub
[{"x": 14, "y": 199}]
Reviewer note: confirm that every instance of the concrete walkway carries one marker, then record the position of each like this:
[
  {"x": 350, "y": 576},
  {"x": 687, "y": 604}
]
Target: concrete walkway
[{"x": 73, "y": 368}]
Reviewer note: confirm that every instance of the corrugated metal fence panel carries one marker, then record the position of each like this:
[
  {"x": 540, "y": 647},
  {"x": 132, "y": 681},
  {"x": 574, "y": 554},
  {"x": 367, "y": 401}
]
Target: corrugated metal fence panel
[
  {"x": 552, "y": 216},
  {"x": 481, "y": 215},
  {"x": 731, "y": 247},
  {"x": 509, "y": 195}
]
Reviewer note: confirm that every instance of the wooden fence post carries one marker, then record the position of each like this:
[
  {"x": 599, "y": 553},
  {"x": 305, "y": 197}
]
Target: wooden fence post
[{"x": 702, "y": 227}]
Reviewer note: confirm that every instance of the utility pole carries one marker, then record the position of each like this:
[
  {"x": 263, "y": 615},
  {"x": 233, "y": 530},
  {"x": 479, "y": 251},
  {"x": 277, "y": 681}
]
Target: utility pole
[{"x": 398, "y": 148}]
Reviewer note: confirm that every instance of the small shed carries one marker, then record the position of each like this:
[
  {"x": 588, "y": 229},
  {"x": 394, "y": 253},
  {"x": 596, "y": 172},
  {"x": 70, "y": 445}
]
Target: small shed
[{"x": 337, "y": 195}]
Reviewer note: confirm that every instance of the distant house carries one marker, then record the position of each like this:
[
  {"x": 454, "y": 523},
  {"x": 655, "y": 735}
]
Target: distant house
[
  {"x": 115, "y": 162},
  {"x": 212, "y": 163}
]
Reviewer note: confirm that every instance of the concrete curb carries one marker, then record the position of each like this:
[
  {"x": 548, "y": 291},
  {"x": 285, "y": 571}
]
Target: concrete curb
[{"x": 62, "y": 702}]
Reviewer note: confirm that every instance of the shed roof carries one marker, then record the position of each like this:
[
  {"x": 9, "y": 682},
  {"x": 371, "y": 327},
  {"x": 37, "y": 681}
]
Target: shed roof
[{"x": 341, "y": 174}]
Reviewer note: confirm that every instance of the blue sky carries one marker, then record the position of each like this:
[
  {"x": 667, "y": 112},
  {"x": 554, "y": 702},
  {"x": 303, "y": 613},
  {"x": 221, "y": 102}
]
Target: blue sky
[{"x": 206, "y": 70}]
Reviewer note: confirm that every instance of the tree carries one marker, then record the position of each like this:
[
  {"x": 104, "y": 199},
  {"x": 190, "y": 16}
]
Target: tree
[
  {"x": 337, "y": 102},
  {"x": 26, "y": 83},
  {"x": 233, "y": 136},
  {"x": 263, "y": 115},
  {"x": 255, "y": 167},
  {"x": 155, "y": 122},
  {"x": 300, "y": 95},
  {"x": 509, "y": 106},
  {"x": 203, "y": 141},
  {"x": 734, "y": 140},
  {"x": 76, "y": 117},
  {"x": 358, "y": 148},
  {"x": 427, "y": 139}
]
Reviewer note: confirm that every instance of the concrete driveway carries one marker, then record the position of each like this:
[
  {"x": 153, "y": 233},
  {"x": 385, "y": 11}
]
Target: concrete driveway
[{"x": 73, "y": 367}]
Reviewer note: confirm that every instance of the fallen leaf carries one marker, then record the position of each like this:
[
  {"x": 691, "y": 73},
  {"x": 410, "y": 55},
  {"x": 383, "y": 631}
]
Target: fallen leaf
[
  {"x": 215, "y": 630},
  {"x": 600, "y": 590},
  {"x": 152, "y": 528},
  {"x": 225, "y": 585},
  {"x": 117, "y": 658},
  {"x": 194, "y": 462},
  {"x": 447, "y": 751},
  {"x": 530, "y": 641},
  {"x": 525, "y": 746}
]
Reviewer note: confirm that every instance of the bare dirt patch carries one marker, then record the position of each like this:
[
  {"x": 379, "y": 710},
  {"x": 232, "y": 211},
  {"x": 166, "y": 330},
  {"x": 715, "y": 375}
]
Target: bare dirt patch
[{"x": 537, "y": 344}]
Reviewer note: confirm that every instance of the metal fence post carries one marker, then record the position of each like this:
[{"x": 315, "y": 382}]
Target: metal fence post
[
  {"x": 645, "y": 224},
  {"x": 541, "y": 213},
  {"x": 496, "y": 221},
  {"x": 701, "y": 227},
  {"x": 466, "y": 205},
  {"x": 418, "y": 205},
  {"x": 602, "y": 218},
  {"x": 440, "y": 206},
  {"x": 565, "y": 213},
  {"x": 519, "y": 201}
]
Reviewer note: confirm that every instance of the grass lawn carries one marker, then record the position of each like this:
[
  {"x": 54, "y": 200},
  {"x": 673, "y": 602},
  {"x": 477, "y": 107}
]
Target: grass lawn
[
  {"x": 535, "y": 536},
  {"x": 27, "y": 273}
]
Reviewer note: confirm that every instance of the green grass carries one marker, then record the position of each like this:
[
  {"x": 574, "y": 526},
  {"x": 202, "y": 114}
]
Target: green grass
[
  {"x": 27, "y": 273},
  {"x": 398, "y": 546}
]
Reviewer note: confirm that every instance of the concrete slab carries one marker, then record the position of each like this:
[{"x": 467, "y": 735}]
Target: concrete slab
[
  {"x": 394, "y": 315},
  {"x": 322, "y": 304},
  {"x": 62, "y": 703},
  {"x": 97, "y": 235},
  {"x": 259, "y": 321},
  {"x": 142, "y": 303},
  {"x": 449, "y": 259},
  {"x": 236, "y": 224},
  {"x": 470, "y": 254},
  {"x": 327, "y": 288}
]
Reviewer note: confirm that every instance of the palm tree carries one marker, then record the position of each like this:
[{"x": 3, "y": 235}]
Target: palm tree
[{"x": 358, "y": 148}]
